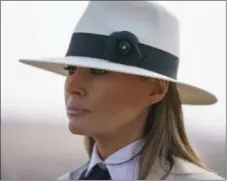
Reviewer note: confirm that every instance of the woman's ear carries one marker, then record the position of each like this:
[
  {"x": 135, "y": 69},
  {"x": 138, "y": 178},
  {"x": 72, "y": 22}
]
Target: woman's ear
[{"x": 158, "y": 91}]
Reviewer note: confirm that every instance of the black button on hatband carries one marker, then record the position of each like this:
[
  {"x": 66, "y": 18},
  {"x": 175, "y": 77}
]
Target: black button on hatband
[{"x": 125, "y": 47}]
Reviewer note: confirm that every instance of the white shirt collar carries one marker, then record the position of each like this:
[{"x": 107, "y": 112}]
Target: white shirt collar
[{"x": 125, "y": 171}]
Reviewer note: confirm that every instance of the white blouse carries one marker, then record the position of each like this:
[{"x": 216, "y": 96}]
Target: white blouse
[{"x": 124, "y": 171}]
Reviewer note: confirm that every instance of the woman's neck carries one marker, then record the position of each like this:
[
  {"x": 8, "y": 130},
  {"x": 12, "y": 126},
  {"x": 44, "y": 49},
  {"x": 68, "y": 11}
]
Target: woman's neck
[{"x": 109, "y": 143}]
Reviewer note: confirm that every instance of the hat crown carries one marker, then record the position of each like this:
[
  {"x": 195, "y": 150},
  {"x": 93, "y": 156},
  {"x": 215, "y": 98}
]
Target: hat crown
[{"x": 151, "y": 23}]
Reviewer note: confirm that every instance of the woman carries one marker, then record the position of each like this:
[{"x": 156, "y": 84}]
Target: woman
[{"x": 122, "y": 94}]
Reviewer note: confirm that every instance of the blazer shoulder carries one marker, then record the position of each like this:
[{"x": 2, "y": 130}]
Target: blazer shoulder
[
  {"x": 73, "y": 175},
  {"x": 198, "y": 176},
  {"x": 182, "y": 170},
  {"x": 66, "y": 176},
  {"x": 185, "y": 170}
]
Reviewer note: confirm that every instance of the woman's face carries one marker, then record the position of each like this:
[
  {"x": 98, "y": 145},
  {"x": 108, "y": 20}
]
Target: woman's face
[{"x": 113, "y": 99}]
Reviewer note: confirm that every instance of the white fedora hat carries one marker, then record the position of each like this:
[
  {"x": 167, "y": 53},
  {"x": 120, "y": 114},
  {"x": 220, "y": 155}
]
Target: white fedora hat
[{"x": 132, "y": 37}]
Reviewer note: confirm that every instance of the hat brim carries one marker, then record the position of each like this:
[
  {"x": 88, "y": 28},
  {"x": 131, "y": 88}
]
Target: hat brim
[{"x": 189, "y": 94}]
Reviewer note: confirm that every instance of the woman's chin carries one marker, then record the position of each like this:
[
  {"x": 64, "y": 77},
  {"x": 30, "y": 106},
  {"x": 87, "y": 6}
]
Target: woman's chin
[{"x": 77, "y": 129}]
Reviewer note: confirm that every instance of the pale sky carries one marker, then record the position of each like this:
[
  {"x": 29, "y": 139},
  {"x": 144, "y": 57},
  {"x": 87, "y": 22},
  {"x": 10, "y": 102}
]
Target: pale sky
[{"x": 43, "y": 29}]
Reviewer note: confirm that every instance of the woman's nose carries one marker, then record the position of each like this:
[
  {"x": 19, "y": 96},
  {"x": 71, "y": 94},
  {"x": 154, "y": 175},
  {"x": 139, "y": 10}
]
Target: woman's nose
[
  {"x": 75, "y": 84},
  {"x": 76, "y": 91}
]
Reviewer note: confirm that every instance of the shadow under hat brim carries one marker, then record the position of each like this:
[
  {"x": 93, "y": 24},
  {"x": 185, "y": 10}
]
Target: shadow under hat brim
[{"x": 189, "y": 94}]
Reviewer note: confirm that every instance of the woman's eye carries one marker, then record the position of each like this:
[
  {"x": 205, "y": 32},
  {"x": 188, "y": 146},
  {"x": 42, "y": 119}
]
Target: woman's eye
[
  {"x": 98, "y": 71},
  {"x": 71, "y": 69}
]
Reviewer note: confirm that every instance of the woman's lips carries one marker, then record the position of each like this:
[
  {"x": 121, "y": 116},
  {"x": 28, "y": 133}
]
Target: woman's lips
[
  {"x": 76, "y": 108},
  {"x": 76, "y": 111}
]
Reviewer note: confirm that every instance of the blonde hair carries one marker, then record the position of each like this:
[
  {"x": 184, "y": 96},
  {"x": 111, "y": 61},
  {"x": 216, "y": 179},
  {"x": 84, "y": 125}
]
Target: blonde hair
[{"x": 164, "y": 135}]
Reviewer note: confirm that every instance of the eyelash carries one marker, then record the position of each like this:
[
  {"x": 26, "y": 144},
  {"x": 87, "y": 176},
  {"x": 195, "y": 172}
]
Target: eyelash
[{"x": 71, "y": 70}]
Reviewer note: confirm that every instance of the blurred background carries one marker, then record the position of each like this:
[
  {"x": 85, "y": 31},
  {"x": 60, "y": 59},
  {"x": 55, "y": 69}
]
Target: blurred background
[{"x": 35, "y": 140}]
